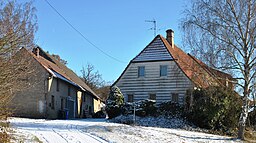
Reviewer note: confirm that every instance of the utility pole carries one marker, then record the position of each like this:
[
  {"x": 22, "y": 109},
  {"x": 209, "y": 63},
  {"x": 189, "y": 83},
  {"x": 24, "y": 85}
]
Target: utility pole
[{"x": 154, "y": 24}]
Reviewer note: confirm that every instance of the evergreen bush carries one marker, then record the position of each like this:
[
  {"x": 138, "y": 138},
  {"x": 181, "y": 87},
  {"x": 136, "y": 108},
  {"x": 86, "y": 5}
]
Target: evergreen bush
[
  {"x": 170, "y": 109},
  {"x": 252, "y": 119},
  {"x": 215, "y": 108},
  {"x": 114, "y": 102},
  {"x": 146, "y": 108}
]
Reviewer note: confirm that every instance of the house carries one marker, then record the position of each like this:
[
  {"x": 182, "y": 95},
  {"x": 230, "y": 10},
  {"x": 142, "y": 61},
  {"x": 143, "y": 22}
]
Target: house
[
  {"x": 55, "y": 91},
  {"x": 163, "y": 72}
]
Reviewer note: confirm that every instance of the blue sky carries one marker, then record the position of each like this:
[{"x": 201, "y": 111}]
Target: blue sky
[{"x": 116, "y": 27}]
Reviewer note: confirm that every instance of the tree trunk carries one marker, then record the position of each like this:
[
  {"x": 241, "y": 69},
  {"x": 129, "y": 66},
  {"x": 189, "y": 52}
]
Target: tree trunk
[{"x": 242, "y": 119}]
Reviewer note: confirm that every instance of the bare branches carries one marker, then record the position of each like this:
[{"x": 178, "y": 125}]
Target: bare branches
[
  {"x": 230, "y": 28},
  {"x": 91, "y": 77},
  {"x": 94, "y": 80},
  {"x": 227, "y": 24},
  {"x": 17, "y": 27}
]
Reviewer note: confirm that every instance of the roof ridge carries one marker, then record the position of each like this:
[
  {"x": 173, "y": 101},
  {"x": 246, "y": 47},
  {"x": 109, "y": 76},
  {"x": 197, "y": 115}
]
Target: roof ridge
[
  {"x": 74, "y": 74},
  {"x": 55, "y": 61},
  {"x": 185, "y": 66},
  {"x": 146, "y": 47},
  {"x": 194, "y": 69},
  {"x": 65, "y": 72}
]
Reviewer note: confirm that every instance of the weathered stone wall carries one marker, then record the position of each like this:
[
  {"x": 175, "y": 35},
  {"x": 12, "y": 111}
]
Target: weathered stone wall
[
  {"x": 47, "y": 96},
  {"x": 30, "y": 100}
]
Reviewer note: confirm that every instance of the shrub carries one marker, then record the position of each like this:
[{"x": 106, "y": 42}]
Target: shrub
[
  {"x": 146, "y": 108},
  {"x": 114, "y": 102},
  {"x": 252, "y": 119},
  {"x": 143, "y": 108},
  {"x": 149, "y": 108},
  {"x": 127, "y": 108},
  {"x": 4, "y": 137},
  {"x": 215, "y": 108},
  {"x": 170, "y": 109},
  {"x": 115, "y": 96},
  {"x": 99, "y": 114}
]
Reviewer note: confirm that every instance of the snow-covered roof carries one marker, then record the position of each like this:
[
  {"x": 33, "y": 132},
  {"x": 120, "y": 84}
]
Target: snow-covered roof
[{"x": 57, "y": 75}]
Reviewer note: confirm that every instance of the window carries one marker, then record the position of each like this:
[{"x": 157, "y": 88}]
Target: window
[
  {"x": 152, "y": 96},
  {"x": 66, "y": 103},
  {"x": 52, "y": 102},
  {"x": 163, "y": 70},
  {"x": 62, "y": 103},
  {"x": 84, "y": 98},
  {"x": 175, "y": 97},
  {"x": 68, "y": 90},
  {"x": 57, "y": 84},
  {"x": 130, "y": 98},
  {"x": 141, "y": 71}
]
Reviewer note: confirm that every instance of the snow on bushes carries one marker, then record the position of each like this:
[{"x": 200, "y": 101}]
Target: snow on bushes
[
  {"x": 142, "y": 108},
  {"x": 114, "y": 102},
  {"x": 165, "y": 115},
  {"x": 213, "y": 109},
  {"x": 149, "y": 121}
]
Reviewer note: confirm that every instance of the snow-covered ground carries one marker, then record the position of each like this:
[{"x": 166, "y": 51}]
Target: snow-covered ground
[{"x": 100, "y": 131}]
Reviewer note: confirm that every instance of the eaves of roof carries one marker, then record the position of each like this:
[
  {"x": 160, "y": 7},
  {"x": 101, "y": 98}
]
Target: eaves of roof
[
  {"x": 199, "y": 73},
  {"x": 59, "y": 70}
]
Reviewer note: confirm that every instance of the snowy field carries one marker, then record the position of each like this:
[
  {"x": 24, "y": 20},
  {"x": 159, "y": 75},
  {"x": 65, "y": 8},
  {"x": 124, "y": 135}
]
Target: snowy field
[{"x": 100, "y": 131}]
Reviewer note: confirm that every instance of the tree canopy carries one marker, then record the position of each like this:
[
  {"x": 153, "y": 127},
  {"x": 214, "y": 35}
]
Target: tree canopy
[
  {"x": 18, "y": 24},
  {"x": 223, "y": 34}
]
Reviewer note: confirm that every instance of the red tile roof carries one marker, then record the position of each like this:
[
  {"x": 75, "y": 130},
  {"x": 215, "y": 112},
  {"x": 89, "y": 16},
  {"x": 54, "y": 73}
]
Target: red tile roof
[
  {"x": 198, "y": 72},
  {"x": 50, "y": 63}
]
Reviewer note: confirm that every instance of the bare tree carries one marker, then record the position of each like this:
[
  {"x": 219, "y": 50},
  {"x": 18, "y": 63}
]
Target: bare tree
[
  {"x": 223, "y": 34},
  {"x": 57, "y": 57},
  {"x": 18, "y": 24},
  {"x": 91, "y": 77},
  {"x": 94, "y": 80}
]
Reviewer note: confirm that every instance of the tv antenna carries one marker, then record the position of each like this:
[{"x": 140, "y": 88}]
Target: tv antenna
[{"x": 154, "y": 24}]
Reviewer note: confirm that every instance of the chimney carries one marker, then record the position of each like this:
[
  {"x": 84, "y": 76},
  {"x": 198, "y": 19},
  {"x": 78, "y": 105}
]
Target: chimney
[
  {"x": 37, "y": 52},
  {"x": 170, "y": 37}
]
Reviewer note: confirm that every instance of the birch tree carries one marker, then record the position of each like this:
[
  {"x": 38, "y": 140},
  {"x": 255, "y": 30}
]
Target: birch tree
[
  {"x": 17, "y": 27},
  {"x": 222, "y": 33}
]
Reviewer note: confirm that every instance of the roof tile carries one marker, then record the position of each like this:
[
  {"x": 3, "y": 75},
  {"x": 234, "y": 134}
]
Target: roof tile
[{"x": 49, "y": 62}]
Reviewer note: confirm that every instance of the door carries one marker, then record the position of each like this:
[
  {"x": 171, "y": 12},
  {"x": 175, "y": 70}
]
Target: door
[{"x": 71, "y": 108}]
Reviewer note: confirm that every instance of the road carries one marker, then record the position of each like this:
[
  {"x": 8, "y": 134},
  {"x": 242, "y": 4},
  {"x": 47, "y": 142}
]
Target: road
[
  {"x": 101, "y": 131},
  {"x": 57, "y": 131}
]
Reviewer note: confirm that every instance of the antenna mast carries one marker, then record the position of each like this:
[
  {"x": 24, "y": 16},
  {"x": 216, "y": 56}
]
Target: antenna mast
[{"x": 153, "y": 28}]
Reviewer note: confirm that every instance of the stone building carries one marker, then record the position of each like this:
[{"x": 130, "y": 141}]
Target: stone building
[{"x": 54, "y": 90}]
